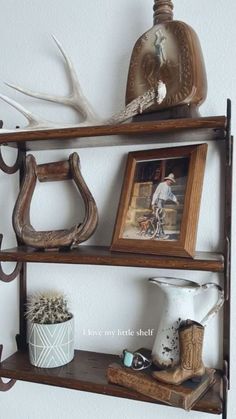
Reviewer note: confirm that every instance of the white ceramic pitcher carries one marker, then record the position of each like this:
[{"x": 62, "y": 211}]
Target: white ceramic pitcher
[{"x": 179, "y": 306}]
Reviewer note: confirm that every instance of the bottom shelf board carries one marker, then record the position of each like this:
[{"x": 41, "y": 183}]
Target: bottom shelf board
[{"x": 87, "y": 372}]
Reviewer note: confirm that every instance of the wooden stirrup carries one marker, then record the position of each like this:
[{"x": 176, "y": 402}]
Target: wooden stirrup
[{"x": 54, "y": 238}]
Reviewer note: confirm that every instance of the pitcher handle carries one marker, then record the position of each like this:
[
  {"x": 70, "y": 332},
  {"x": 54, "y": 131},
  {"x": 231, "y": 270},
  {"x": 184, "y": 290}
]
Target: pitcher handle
[{"x": 217, "y": 306}]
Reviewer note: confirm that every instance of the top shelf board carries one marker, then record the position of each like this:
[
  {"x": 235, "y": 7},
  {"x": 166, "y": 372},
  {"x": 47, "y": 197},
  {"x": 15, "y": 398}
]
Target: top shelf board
[{"x": 174, "y": 130}]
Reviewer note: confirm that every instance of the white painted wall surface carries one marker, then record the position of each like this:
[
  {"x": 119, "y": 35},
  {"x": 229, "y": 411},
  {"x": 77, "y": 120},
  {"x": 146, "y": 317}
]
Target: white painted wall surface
[{"x": 99, "y": 36}]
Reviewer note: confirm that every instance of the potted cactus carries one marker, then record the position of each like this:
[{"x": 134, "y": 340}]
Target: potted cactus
[{"x": 50, "y": 330}]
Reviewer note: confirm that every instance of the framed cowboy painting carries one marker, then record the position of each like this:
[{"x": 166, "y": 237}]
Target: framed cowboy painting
[{"x": 160, "y": 201}]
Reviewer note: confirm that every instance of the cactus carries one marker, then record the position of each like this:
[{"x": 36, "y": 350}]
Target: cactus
[{"x": 47, "y": 308}]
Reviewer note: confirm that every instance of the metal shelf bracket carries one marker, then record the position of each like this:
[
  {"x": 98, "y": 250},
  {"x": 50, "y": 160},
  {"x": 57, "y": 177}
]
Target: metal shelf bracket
[
  {"x": 5, "y": 386},
  {"x": 16, "y": 166},
  {"x": 9, "y": 277}
]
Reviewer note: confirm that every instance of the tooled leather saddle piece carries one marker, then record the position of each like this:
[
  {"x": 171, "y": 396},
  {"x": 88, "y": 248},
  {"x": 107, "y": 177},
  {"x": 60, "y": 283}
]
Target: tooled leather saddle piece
[{"x": 53, "y": 239}]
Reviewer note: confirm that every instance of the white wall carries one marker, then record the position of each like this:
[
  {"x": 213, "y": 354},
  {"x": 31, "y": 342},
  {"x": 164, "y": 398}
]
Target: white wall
[{"x": 99, "y": 36}]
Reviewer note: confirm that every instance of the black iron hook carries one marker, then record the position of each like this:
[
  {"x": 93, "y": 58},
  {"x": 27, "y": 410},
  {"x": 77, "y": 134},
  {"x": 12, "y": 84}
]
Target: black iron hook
[
  {"x": 5, "y": 386},
  {"x": 9, "y": 277},
  {"x": 11, "y": 169}
]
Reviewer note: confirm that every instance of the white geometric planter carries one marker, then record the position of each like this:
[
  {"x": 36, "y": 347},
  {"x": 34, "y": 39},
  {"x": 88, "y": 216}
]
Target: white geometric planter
[{"x": 51, "y": 345}]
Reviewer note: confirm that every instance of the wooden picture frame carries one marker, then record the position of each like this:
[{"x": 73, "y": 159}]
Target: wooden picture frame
[{"x": 160, "y": 201}]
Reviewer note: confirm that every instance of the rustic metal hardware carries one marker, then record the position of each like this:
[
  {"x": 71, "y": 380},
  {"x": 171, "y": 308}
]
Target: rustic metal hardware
[
  {"x": 227, "y": 256},
  {"x": 5, "y": 386},
  {"x": 227, "y": 269},
  {"x": 21, "y": 215},
  {"x": 225, "y": 389},
  {"x": 228, "y": 134},
  {"x": 11, "y": 169},
  {"x": 21, "y": 338},
  {"x": 9, "y": 277}
]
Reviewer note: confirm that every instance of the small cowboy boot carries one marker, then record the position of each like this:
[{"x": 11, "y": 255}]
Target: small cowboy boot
[{"x": 191, "y": 366}]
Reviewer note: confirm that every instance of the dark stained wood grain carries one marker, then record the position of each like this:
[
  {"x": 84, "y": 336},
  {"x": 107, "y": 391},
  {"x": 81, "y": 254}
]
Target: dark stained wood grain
[
  {"x": 192, "y": 129},
  {"x": 52, "y": 172},
  {"x": 87, "y": 372},
  {"x": 96, "y": 255}
]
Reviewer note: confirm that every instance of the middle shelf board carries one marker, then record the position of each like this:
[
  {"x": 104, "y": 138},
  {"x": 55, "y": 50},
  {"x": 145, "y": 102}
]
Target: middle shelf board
[
  {"x": 87, "y": 372},
  {"x": 101, "y": 255}
]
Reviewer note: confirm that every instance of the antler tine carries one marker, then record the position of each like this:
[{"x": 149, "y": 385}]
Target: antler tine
[
  {"x": 76, "y": 99},
  {"x": 33, "y": 120},
  {"x": 43, "y": 96}
]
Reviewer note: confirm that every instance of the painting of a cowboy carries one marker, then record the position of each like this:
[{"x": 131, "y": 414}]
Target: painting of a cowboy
[
  {"x": 161, "y": 195},
  {"x": 156, "y": 203}
]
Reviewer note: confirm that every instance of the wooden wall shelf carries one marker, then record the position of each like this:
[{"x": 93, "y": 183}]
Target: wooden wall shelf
[
  {"x": 198, "y": 129},
  {"x": 96, "y": 255},
  {"x": 87, "y": 372}
]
